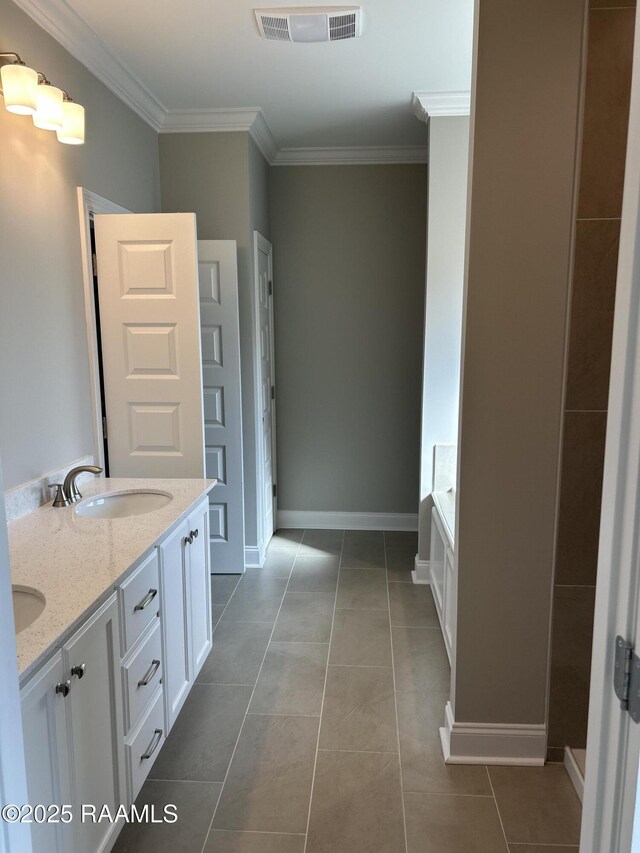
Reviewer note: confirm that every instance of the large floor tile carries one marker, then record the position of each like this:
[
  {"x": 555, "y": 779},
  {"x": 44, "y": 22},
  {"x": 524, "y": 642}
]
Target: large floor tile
[
  {"x": 222, "y": 587},
  {"x": 291, "y": 680},
  {"x": 216, "y": 613},
  {"x": 315, "y": 543},
  {"x": 237, "y": 653},
  {"x": 420, "y": 659},
  {"x": 269, "y": 782},
  {"x": 400, "y": 564},
  {"x": 230, "y": 841},
  {"x": 255, "y": 600},
  {"x": 194, "y": 802},
  {"x": 285, "y": 538},
  {"x": 537, "y": 804},
  {"x": 361, "y": 638},
  {"x": 315, "y": 574},
  {"x": 412, "y": 606},
  {"x": 357, "y": 804},
  {"x": 200, "y": 745},
  {"x": 359, "y": 710},
  {"x": 305, "y": 617},
  {"x": 401, "y": 540},
  {"x": 363, "y": 550},
  {"x": 420, "y": 715},
  {"x": 278, "y": 564},
  {"x": 441, "y": 823},
  {"x": 362, "y": 589}
]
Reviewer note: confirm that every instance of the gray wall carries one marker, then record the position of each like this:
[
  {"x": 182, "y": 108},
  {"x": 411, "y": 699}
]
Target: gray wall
[
  {"x": 224, "y": 179},
  {"x": 349, "y": 253},
  {"x": 45, "y": 418},
  {"x": 447, "y": 221},
  {"x": 519, "y": 244}
]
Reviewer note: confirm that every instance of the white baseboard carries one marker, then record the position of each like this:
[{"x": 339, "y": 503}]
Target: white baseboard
[
  {"x": 491, "y": 743},
  {"x": 310, "y": 520},
  {"x": 254, "y": 557},
  {"x": 422, "y": 572},
  {"x": 574, "y": 772}
]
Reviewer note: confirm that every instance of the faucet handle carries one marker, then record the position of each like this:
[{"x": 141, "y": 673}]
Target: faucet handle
[{"x": 60, "y": 498}]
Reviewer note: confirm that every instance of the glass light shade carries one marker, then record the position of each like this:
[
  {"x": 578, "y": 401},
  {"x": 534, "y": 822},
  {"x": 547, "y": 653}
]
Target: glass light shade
[
  {"x": 48, "y": 113},
  {"x": 20, "y": 88},
  {"x": 72, "y": 132}
]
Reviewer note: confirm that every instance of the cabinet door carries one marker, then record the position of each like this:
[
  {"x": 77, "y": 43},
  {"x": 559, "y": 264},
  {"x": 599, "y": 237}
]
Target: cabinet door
[
  {"x": 46, "y": 746},
  {"x": 95, "y": 706},
  {"x": 199, "y": 581},
  {"x": 175, "y": 637}
]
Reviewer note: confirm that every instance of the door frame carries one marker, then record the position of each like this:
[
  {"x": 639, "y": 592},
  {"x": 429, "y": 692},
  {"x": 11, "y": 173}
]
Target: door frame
[
  {"x": 90, "y": 203},
  {"x": 613, "y": 741},
  {"x": 261, "y": 243}
]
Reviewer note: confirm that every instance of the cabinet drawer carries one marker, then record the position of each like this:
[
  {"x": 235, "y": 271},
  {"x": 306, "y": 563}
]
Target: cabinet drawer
[
  {"x": 139, "y": 600},
  {"x": 142, "y": 674},
  {"x": 144, "y": 744}
]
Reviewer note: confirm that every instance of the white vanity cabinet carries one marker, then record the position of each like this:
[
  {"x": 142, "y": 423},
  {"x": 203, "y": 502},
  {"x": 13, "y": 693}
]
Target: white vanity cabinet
[
  {"x": 443, "y": 580},
  {"x": 97, "y": 712},
  {"x": 186, "y": 607},
  {"x": 71, "y": 711}
]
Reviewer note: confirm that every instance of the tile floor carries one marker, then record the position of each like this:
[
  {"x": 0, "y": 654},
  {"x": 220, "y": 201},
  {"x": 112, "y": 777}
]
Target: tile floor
[{"x": 313, "y": 726}]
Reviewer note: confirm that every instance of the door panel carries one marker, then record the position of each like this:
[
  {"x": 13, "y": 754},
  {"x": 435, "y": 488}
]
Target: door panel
[
  {"x": 266, "y": 381},
  {"x": 149, "y": 320},
  {"x": 199, "y": 589},
  {"x": 218, "y": 283},
  {"x": 175, "y": 640},
  {"x": 46, "y": 746},
  {"x": 95, "y": 705}
]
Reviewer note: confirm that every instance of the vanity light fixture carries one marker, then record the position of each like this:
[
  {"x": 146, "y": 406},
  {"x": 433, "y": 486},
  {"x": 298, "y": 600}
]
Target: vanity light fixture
[
  {"x": 49, "y": 101},
  {"x": 28, "y": 92}
]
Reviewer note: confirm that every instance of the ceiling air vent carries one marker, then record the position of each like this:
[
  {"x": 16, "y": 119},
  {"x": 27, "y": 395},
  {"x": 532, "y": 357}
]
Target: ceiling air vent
[{"x": 309, "y": 23}]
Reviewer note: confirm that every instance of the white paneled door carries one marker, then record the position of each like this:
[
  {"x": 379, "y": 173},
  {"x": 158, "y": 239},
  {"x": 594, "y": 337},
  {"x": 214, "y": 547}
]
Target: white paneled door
[
  {"x": 150, "y": 336},
  {"x": 218, "y": 279},
  {"x": 263, "y": 253}
]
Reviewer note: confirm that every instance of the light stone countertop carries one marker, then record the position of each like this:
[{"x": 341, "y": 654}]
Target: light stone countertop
[{"x": 76, "y": 562}]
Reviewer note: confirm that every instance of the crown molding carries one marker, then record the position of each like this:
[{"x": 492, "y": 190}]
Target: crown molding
[
  {"x": 248, "y": 119},
  {"x": 350, "y": 156},
  {"x": 74, "y": 34},
  {"x": 426, "y": 105}
]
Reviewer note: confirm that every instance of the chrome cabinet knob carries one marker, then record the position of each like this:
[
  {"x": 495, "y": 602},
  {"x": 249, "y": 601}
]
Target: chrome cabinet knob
[
  {"x": 79, "y": 670},
  {"x": 63, "y": 688},
  {"x": 193, "y": 534}
]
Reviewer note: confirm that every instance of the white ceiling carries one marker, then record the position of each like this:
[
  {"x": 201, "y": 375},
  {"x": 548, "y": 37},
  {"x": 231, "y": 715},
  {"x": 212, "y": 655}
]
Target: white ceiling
[{"x": 207, "y": 54}]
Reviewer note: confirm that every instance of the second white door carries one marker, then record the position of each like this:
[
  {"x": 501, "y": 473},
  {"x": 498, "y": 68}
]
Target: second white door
[{"x": 267, "y": 498}]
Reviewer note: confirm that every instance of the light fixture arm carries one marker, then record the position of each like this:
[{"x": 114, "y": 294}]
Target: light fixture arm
[{"x": 5, "y": 53}]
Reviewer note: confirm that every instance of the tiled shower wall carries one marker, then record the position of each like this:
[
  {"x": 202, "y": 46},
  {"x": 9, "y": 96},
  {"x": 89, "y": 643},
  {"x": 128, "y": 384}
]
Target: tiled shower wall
[{"x": 606, "y": 111}]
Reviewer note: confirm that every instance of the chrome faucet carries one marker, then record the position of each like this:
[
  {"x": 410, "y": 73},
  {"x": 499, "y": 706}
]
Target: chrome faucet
[{"x": 70, "y": 488}]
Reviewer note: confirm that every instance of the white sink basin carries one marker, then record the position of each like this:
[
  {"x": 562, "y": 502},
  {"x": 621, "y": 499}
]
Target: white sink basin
[
  {"x": 123, "y": 504},
  {"x": 28, "y": 604}
]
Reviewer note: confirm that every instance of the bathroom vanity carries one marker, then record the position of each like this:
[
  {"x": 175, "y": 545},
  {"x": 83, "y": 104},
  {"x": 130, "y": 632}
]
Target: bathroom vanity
[
  {"x": 107, "y": 665},
  {"x": 442, "y": 568}
]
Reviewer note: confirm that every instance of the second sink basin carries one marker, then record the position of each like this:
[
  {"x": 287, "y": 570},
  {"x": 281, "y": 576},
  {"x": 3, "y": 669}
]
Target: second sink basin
[
  {"x": 28, "y": 604},
  {"x": 123, "y": 504}
]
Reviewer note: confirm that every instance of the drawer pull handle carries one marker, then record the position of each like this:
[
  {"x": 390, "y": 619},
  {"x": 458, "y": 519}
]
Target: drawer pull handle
[
  {"x": 63, "y": 688},
  {"x": 157, "y": 737},
  {"x": 155, "y": 664},
  {"x": 79, "y": 670},
  {"x": 146, "y": 600}
]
